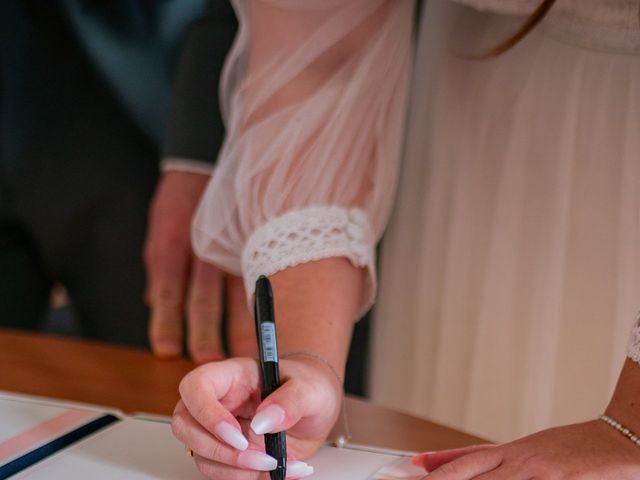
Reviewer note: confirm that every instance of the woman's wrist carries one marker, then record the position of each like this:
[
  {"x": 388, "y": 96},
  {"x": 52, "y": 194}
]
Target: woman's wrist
[
  {"x": 319, "y": 359},
  {"x": 321, "y": 381},
  {"x": 625, "y": 403},
  {"x": 621, "y": 413},
  {"x": 310, "y": 368}
]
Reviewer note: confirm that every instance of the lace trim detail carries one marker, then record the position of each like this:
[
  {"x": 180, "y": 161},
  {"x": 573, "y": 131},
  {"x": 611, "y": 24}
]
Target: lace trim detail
[
  {"x": 633, "y": 350},
  {"x": 306, "y": 235}
]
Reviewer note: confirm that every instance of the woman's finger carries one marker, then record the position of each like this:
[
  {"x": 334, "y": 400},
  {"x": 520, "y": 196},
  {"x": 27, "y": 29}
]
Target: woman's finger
[
  {"x": 469, "y": 466},
  {"x": 191, "y": 433},
  {"x": 432, "y": 460},
  {"x": 208, "y": 447},
  {"x": 217, "y": 471},
  {"x": 293, "y": 401},
  {"x": 213, "y": 391}
]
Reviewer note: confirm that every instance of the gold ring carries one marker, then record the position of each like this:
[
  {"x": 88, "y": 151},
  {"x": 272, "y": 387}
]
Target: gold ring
[{"x": 189, "y": 452}]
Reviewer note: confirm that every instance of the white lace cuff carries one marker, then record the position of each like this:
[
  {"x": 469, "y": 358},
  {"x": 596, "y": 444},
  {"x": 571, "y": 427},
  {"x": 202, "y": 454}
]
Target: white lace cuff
[
  {"x": 309, "y": 234},
  {"x": 633, "y": 350}
]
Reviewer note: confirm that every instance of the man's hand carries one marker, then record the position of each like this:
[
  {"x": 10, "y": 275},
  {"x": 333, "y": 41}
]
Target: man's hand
[
  {"x": 179, "y": 283},
  {"x": 241, "y": 331}
]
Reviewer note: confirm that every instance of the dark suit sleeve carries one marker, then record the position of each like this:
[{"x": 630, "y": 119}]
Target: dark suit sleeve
[{"x": 194, "y": 129}]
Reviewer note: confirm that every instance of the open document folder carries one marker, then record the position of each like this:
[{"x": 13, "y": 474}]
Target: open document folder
[{"x": 47, "y": 439}]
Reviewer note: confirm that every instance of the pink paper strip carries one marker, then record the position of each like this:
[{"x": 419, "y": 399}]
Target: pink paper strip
[{"x": 44, "y": 432}]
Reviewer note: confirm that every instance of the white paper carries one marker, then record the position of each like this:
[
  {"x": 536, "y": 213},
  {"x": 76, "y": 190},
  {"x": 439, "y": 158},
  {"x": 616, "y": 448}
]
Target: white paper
[
  {"x": 131, "y": 449},
  {"x": 401, "y": 470},
  {"x": 17, "y": 417},
  {"x": 343, "y": 463},
  {"x": 139, "y": 448},
  {"x": 57, "y": 403},
  {"x": 25, "y": 423}
]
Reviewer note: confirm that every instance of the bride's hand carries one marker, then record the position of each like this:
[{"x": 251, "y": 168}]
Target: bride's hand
[
  {"x": 586, "y": 451},
  {"x": 220, "y": 411}
]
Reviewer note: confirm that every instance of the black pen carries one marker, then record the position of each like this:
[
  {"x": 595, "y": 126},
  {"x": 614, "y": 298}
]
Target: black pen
[{"x": 275, "y": 443}]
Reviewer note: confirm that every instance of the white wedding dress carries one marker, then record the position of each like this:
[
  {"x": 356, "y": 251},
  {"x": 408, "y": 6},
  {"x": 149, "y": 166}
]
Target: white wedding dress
[{"x": 510, "y": 269}]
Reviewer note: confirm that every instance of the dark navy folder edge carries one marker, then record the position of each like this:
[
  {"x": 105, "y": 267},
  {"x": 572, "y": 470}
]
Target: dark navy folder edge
[{"x": 34, "y": 456}]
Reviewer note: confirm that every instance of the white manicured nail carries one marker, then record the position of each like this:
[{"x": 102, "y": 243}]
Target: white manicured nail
[
  {"x": 309, "y": 471},
  {"x": 231, "y": 435},
  {"x": 266, "y": 420},
  {"x": 296, "y": 469},
  {"x": 254, "y": 460}
]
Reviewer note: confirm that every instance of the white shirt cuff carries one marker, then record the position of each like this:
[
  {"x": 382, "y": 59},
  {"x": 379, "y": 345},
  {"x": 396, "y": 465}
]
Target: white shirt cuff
[{"x": 189, "y": 165}]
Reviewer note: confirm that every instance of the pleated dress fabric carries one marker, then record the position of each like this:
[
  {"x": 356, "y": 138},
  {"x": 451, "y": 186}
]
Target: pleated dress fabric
[{"x": 509, "y": 271}]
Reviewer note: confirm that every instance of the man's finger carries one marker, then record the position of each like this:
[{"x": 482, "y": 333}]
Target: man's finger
[
  {"x": 204, "y": 312},
  {"x": 242, "y": 330},
  {"x": 168, "y": 257},
  {"x": 168, "y": 270},
  {"x": 165, "y": 328}
]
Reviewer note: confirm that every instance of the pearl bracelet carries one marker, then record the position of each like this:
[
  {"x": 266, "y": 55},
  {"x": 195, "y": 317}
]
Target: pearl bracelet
[{"x": 621, "y": 428}]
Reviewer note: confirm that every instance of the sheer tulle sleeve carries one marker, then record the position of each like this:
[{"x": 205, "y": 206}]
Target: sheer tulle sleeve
[{"x": 313, "y": 97}]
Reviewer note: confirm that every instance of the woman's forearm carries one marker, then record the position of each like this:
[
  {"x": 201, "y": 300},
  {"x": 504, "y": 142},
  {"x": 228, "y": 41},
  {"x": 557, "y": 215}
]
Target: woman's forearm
[{"x": 316, "y": 306}]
